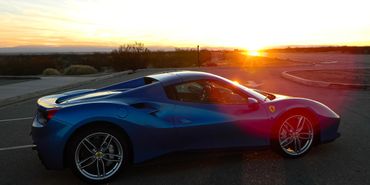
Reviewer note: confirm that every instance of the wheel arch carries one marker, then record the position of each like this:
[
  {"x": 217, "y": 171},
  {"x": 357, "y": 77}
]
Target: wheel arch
[{"x": 96, "y": 124}]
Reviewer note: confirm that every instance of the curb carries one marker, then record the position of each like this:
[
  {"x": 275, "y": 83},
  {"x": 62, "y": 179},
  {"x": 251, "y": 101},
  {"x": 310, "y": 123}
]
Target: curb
[
  {"x": 27, "y": 96},
  {"x": 325, "y": 84}
]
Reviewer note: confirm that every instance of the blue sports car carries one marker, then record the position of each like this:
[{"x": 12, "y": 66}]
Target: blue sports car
[{"x": 98, "y": 132}]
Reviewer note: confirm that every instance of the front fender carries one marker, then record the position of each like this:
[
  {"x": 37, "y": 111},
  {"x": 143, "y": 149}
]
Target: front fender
[{"x": 327, "y": 119}]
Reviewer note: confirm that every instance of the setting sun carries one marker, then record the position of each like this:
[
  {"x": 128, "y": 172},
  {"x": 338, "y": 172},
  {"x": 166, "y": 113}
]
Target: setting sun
[{"x": 254, "y": 53}]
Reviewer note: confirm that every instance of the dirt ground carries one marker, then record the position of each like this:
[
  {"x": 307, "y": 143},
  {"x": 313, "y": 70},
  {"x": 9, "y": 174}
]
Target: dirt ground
[{"x": 355, "y": 76}]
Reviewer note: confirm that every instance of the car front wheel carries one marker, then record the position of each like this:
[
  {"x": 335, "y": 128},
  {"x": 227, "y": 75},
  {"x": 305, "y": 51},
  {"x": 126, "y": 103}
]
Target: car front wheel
[
  {"x": 98, "y": 154},
  {"x": 294, "y": 135}
]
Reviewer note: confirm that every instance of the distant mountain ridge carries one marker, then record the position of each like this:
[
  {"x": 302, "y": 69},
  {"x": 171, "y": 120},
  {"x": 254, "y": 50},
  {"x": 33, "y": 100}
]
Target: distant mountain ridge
[
  {"x": 52, "y": 49},
  {"x": 104, "y": 49},
  {"x": 65, "y": 49},
  {"x": 321, "y": 49}
]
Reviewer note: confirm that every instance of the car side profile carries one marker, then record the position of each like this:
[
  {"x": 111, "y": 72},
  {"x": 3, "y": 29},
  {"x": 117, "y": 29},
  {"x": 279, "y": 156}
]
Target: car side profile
[{"x": 99, "y": 132}]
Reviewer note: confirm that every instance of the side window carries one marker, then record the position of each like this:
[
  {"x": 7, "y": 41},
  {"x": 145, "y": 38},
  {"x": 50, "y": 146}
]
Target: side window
[
  {"x": 190, "y": 92},
  {"x": 204, "y": 91},
  {"x": 225, "y": 94}
]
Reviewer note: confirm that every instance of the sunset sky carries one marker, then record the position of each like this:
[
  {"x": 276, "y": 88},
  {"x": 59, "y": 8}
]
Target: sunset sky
[{"x": 225, "y": 23}]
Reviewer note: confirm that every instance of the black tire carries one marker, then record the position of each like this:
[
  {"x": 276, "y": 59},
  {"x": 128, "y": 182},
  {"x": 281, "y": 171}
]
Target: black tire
[
  {"x": 285, "y": 139},
  {"x": 107, "y": 155}
]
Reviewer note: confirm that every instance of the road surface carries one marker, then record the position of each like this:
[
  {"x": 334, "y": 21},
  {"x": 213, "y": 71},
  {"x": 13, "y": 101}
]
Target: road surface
[{"x": 345, "y": 161}]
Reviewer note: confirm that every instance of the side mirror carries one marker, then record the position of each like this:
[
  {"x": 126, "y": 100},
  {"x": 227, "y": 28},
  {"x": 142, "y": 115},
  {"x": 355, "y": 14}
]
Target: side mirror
[{"x": 252, "y": 103}]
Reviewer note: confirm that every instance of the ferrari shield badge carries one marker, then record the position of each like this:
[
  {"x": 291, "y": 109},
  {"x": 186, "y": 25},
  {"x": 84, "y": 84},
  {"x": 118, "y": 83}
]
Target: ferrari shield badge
[{"x": 272, "y": 108}]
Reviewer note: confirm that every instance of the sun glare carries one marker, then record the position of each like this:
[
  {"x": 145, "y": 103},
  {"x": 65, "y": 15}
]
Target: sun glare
[
  {"x": 254, "y": 53},
  {"x": 236, "y": 82}
]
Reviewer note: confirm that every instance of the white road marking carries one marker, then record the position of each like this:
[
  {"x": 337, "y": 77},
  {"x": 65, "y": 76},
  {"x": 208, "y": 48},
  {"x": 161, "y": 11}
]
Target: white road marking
[
  {"x": 15, "y": 119},
  {"x": 17, "y": 147}
]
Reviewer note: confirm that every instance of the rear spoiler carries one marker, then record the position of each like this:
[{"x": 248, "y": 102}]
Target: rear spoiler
[
  {"x": 52, "y": 101},
  {"x": 48, "y": 102}
]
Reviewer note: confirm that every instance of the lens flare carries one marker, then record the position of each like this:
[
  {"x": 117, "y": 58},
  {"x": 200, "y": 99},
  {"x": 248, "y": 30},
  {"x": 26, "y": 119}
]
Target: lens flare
[{"x": 236, "y": 82}]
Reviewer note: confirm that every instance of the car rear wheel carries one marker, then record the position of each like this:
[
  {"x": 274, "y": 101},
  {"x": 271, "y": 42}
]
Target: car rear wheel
[
  {"x": 98, "y": 154},
  {"x": 294, "y": 135}
]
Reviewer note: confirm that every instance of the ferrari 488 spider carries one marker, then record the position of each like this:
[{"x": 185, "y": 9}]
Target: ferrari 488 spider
[{"x": 98, "y": 132}]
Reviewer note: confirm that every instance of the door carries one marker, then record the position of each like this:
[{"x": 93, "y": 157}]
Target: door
[{"x": 215, "y": 114}]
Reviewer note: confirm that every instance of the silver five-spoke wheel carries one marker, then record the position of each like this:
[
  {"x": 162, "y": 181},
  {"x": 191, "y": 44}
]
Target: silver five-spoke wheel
[
  {"x": 296, "y": 135},
  {"x": 98, "y": 156}
]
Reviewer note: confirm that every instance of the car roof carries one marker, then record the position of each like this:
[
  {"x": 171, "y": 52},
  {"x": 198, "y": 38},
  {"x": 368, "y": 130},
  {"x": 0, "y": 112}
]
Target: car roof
[{"x": 168, "y": 78}]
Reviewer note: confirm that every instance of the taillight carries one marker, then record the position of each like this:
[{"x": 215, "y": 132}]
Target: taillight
[
  {"x": 44, "y": 116},
  {"x": 50, "y": 113}
]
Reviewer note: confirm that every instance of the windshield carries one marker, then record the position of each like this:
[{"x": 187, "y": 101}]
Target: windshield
[{"x": 248, "y": 90}]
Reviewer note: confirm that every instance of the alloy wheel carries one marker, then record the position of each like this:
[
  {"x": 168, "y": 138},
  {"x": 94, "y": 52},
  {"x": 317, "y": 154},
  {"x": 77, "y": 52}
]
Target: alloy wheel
[
  {"x": 98, "y": 156},
  {"x": 296, "y": 135}
]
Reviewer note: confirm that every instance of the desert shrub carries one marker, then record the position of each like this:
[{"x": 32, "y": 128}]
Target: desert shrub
[
  {"x": 130, "y": 56},
  {"x": 35, "y": 64},
  {"x": 80, "y": 70},
  {"x": 51, "y": 71},
  {"x": 24, "y": 64},
  {"x": 178, "y": 58}
]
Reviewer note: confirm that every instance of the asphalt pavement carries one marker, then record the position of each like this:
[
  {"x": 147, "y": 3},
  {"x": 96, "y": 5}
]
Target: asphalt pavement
[{"x": 344, "y": 161}]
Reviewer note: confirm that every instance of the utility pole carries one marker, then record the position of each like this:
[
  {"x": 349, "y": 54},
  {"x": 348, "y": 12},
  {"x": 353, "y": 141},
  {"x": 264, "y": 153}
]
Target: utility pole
[{"x": 198, "y": 55}]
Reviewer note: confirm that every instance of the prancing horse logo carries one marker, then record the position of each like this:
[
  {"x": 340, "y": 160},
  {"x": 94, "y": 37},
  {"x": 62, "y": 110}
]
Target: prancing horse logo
[{"x": 272, "y": 108}]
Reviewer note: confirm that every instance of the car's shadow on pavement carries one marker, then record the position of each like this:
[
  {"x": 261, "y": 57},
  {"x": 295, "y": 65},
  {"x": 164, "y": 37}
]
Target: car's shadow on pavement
[{"x": 247, "y": 167}]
